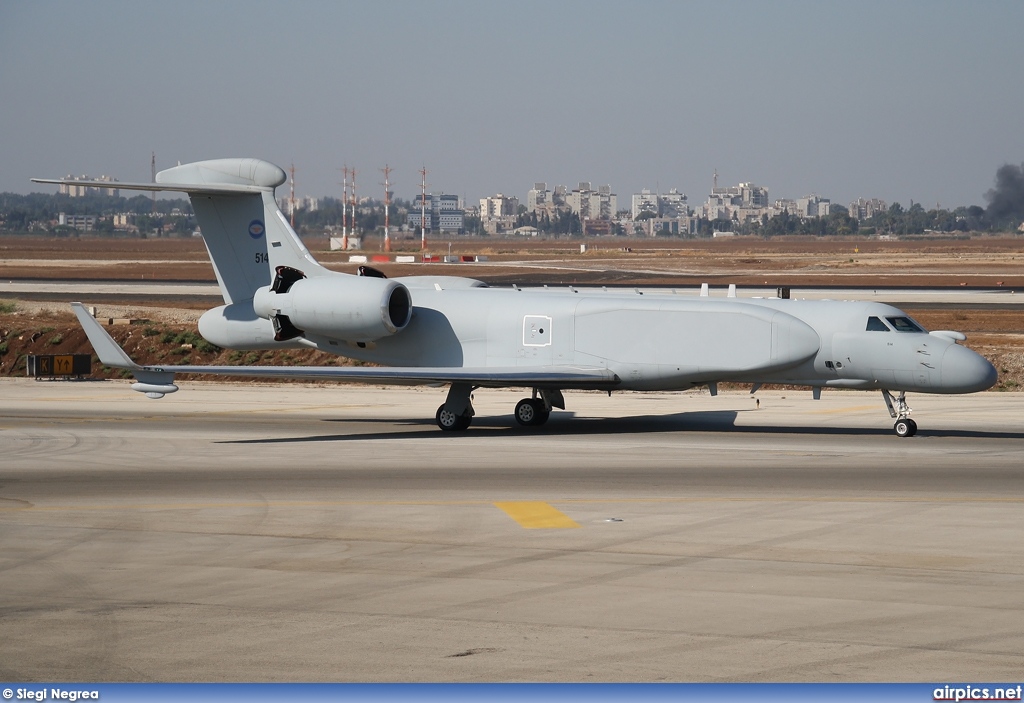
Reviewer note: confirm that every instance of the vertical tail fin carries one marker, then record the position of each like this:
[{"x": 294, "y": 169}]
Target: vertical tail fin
[{"x": 246, "y": 235}]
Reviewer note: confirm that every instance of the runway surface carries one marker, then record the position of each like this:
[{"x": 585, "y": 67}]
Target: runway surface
[{"x": 271, "y": 533}]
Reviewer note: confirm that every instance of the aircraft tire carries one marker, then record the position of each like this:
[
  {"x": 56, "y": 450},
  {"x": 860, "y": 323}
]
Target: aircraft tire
[
  {"x": 525, "y": 412},
  {"x": 905, "y": 428},
  {"x": 450, "y": 422},
  {"x": 530, "y": 412}
]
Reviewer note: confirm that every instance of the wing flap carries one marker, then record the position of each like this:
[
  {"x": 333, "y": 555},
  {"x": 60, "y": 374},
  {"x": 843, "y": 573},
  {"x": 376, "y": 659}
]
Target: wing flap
[{"x": 495, "y": 377}]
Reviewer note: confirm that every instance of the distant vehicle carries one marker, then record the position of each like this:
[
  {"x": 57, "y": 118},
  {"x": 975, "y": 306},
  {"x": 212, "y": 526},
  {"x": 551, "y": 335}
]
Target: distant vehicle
[{"x": 459, "y": 331}]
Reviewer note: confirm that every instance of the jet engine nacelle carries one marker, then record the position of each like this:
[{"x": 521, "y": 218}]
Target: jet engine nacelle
[{"x": 349, "y": 308}]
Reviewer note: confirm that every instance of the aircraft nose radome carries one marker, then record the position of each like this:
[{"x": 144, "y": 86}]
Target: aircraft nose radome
[{"x": 965, "y": 371}]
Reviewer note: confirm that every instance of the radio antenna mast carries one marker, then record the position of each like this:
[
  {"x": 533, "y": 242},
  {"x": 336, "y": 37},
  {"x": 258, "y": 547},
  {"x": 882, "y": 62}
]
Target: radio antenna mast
[
  {"x": 152, "y": 169},
  {"x": 344, "y": 209},
  {"x": 387, "y": 203},
  {"x": 423, "y": 207}
]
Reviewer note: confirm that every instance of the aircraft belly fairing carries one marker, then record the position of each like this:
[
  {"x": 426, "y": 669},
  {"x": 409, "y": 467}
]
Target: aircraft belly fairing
[{"x": 691, "y": 340}]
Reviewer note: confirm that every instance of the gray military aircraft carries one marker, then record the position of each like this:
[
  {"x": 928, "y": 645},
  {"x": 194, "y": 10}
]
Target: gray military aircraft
[{"x": 459, "y": 331}]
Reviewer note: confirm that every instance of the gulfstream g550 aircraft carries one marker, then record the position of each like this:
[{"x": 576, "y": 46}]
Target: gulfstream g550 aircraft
[{"x": 442, "y": 329}]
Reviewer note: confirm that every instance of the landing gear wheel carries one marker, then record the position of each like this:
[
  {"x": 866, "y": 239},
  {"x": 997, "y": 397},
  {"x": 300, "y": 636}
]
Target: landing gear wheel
[
  {"x": 905, "y": 428},
  {"x": 450, "y": 422},
  {"x": 530, "y": 412}
]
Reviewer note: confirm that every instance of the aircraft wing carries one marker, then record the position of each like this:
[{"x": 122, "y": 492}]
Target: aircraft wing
[{"x": 155, "y": 378}]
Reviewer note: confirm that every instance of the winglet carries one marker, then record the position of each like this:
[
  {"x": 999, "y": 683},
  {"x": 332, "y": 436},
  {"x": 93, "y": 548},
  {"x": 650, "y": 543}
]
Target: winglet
[
  {"x": 109, "y": 352},
  {"x": 154, "y": 383}
]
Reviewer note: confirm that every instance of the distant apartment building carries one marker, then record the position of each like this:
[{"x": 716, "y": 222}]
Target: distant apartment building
[
  {"x": 813, "y": 206},
  {"x": 645, "y": 202},
  {"x": 79, "y": 191},
  {"x": 787, "y": 205},
  {"x": 742, "y": 202},
  {"x": 307, "y": 203},
  {"x": 863, "y": 209},
  {"x": 498, "y": 213},
  {"x": 84, "y": 223},
  {"x": 498, "y": 206},
  {"x": 542, "y": 199},
  {"x": 671, "y": 205},
  {"x": 587, "y": 203},
  {"x": 656, "y": 214},
  {"x": 538, "y": 197},
  {"x": 442, "y": 213},
  {"x": 674, "y": 226}
]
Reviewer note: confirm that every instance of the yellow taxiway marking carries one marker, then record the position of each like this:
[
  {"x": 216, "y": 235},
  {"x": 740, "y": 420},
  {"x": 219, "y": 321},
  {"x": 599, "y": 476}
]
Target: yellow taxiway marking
[{"x": 537, "y": 515}]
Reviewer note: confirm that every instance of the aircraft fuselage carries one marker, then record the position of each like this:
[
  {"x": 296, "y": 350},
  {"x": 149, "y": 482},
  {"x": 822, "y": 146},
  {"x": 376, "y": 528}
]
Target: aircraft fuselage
[{"x": 661, "y": 340}]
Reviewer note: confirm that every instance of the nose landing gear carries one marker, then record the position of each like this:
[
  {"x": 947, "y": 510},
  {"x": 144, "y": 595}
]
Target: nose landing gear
[{"x": 898, "y": 409}]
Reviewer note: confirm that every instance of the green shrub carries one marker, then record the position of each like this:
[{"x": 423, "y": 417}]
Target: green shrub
[
  {"x": 7, "y": 306},
  {"x": 205, "y": 347}
]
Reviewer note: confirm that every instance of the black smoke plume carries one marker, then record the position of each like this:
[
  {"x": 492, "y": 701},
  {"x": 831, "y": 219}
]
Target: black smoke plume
[{"x": 1006, "y": 200}]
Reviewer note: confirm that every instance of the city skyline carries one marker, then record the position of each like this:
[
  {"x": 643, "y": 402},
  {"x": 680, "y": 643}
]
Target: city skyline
[{"x": 899, "y": 101}]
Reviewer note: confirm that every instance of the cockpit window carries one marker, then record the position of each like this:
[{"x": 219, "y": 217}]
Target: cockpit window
[
  {"x": 876, "y": 325},
  {"x": 904, "y": 324}
]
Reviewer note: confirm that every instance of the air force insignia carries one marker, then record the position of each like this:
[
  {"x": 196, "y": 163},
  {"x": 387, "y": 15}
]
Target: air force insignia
[{"x": 256, "y": 229}]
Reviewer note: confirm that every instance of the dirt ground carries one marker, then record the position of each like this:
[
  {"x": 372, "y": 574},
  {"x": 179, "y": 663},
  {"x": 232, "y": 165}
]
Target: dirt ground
[
  {"x": 794, "y": 261},
  {"x": 41, "y": 327}
]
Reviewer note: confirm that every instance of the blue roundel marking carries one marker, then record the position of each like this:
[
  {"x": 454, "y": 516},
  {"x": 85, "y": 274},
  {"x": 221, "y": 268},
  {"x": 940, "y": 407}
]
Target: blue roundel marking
[{"x": 256, "y": 229}]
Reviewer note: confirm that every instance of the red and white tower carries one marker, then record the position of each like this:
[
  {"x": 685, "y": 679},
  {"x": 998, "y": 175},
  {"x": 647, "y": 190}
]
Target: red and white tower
[
  {"x": 387, "y": 204},
  {"x": 291, "y": 197},
  {"x": 344, "y": 209},
  {"x": 352, "y": 202},
  {"x": 423, "y": 207}
]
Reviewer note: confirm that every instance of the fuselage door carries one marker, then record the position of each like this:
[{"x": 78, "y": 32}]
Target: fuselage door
[
  {"x": 536, "y": 331},
  {"x": 537, "y": 338}
]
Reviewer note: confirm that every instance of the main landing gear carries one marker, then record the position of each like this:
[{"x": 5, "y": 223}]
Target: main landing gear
[
  {"x": 530, "y": 412},
  {"x": 457, "y": 412},
  {"x": 450, "y": 422},
  {"x": 898, "y": 409},
  {"x": 535, "y": 411}
]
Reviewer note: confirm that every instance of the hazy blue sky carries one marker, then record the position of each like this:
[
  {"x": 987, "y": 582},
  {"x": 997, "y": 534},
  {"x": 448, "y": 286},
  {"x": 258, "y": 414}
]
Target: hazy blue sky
[{"x": 904, "y": 101}]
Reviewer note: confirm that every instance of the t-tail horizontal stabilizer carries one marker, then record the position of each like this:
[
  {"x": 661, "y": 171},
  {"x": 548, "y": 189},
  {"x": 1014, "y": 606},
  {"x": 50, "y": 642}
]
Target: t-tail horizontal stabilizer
[{"x": 156, "y": 381}]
